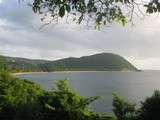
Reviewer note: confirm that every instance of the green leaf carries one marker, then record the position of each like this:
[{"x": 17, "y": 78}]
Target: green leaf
[
  {"x": 61, "y": 11},
  {"x": 49, "y": 107},
  {"x": 94, "y": 9},
  {"x": 68, "y": 8}
]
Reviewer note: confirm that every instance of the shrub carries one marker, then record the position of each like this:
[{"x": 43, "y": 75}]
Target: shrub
[
  {"x": 123, "y": 110},
  {"x": 24, "y": 100},
  {"x": 150, "y": 108},
  {"x": 15, "y": 94}
]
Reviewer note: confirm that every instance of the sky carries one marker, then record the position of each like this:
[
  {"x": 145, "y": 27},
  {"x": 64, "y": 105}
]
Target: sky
[{"x": 21, "y": 36}]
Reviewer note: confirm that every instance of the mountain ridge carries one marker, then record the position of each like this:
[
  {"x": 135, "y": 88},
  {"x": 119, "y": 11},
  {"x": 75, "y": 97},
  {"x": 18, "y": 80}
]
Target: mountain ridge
[{"x": 96, "y": 62}]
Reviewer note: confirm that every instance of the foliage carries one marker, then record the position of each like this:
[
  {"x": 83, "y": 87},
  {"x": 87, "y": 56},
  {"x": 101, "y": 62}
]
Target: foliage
[
  {"x": 22, "y": 99},
  {"x": 14, "y": 64},
  {"x": 16, "y": 94},
  {"x": 150, "y": 108},
  {"x": 153, "y": 6},
  {"x": 94, "y": 12},
  {"x": 97, "y": 62},
  {"x": 2, "y": 63},
  {"x": 63, "y": 103},
  {"x": 100, "y": 11},
  {"x": 103, "y": 61},
  {"x": 123, "y": 110}
]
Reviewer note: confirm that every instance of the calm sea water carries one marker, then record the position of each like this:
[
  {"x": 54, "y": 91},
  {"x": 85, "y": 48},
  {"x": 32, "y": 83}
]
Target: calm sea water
[{"x": 134, "y": 86}]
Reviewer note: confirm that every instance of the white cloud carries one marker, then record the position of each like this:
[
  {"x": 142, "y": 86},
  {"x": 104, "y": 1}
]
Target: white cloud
[
  {"x": 20, "y": 36},
  {"x": 150, "y": 63}
]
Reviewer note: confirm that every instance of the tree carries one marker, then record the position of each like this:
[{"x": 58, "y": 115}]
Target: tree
[
  {"x": 17, "y": 96},
  {"x": 64, "y": 104},
  {"x": 2, "y": 63},
  {"x": 150, "y": 108},
  {"x": 22, "y": 99},
  {"x": 93, "y": 12},
  {"x": 153, "y": 6},
  {"x": 123, "y": 110}
]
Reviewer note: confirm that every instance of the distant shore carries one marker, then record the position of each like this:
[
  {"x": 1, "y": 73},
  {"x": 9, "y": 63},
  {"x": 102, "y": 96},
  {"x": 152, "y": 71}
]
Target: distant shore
[{"x": 24, "y": 73}]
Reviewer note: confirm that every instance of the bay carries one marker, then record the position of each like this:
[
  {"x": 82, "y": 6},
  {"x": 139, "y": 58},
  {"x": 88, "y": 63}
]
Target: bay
[{"x": 134, "y": 86}]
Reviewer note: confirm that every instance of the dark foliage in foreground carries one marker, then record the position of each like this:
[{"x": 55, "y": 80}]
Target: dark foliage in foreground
[
  {"x": 150, "y": 108},
  {"x": 24, "y": 100},
  {"x": 123, "y": 109}
]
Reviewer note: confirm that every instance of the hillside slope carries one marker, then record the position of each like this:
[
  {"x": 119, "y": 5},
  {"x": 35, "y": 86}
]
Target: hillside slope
[
  {"x": 16, "y": 64},
  {"x": 97, "y": 62},
  {"x": 103, "y": 61}
]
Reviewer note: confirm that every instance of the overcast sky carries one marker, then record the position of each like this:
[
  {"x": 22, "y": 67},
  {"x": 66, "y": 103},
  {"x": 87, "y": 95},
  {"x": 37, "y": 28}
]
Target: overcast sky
[{"x": 20, "y": 36}]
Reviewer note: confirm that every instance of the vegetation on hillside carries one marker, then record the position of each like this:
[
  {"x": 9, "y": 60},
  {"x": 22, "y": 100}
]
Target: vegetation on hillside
[
  {"x": 97, "y": 62},
  {"x": 2, "y": 63},
  {"x": 24, "y": 100},
  {"x": 14, "y": 64}
]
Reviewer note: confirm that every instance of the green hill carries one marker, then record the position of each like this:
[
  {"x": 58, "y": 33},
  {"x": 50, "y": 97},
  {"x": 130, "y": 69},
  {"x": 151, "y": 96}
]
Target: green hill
[
  {"x": 97, "y": 62},
  {"x": 15, "y": 64}
]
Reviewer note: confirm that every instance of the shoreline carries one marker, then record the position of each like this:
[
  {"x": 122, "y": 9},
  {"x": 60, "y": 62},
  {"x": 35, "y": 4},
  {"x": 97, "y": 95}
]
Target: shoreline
[{"x": 24, "y": 73}]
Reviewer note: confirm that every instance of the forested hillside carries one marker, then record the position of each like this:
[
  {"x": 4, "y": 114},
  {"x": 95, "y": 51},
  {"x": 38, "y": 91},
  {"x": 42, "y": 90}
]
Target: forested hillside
[{"x": 97, "y": 62}]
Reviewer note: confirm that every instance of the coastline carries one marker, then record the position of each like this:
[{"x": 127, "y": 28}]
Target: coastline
[{"x": 24, "y": 73}]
